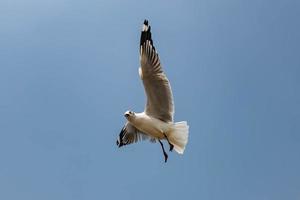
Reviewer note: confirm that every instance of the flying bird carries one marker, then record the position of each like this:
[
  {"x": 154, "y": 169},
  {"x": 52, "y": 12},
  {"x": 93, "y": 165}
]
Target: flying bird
[{"x": 156, "y": 122}]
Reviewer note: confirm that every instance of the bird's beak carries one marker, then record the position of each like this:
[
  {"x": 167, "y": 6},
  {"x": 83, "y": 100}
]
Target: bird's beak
[{"x": 126, "y": 115}]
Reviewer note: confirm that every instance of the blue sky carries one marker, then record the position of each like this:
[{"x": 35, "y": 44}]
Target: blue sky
[{"x": 69, "y": 70}]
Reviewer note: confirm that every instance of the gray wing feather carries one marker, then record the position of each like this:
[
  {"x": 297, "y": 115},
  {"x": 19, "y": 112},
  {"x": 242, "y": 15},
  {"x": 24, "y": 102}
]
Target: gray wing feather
[{"x": 157, "y": 86}]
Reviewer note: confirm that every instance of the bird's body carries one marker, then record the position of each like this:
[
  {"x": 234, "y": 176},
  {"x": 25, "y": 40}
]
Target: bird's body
[
  {"x": 156, "y": 122},
  {"x": 151, "y": 126}
]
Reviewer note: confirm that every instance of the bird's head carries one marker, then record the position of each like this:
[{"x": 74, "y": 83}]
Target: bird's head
[{"x": 129, "y": 114}]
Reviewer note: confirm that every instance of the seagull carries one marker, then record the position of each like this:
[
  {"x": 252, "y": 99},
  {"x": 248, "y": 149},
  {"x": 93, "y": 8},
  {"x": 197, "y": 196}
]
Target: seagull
[{"x": 156, "y": 122}]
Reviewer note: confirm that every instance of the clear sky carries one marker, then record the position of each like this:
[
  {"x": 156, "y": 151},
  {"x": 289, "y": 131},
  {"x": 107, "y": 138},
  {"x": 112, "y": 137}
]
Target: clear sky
[{"x": 69, "y": 70}]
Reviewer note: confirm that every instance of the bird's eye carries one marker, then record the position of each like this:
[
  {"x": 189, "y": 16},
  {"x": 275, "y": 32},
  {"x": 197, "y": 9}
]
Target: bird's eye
[{"x": 130, "y": 112}]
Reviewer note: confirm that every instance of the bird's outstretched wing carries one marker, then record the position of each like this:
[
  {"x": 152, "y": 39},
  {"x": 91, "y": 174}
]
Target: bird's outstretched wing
[
  {"x": 129, "y": 134},
  {"x": 160, "y": 103}
]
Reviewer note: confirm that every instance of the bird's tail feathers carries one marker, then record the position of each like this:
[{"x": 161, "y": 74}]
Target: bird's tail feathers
[{"x": 178, "y": 136}]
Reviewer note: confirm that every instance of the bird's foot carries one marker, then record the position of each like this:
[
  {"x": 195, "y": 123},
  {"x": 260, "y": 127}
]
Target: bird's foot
[
  {"x": 166, "y": 156},
  {"x": 171, "y": 147}
]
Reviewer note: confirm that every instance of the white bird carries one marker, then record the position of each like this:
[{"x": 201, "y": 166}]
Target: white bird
[{"x": 156, "y": 122}]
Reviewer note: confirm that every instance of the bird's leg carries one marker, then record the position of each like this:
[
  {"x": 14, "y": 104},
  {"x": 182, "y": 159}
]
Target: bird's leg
[
  {"x": 165, "y": 154},
  {"x": 171, "y": 145}
]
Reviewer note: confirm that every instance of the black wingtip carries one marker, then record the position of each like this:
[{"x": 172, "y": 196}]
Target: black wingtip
[
  {"x": 146, "y": 22},
  {"x": 119, "y": 141},
  {"x": 146, "y": 33}
]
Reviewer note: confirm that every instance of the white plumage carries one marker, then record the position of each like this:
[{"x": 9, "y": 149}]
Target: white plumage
[{"x": 156, "y": 122}]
